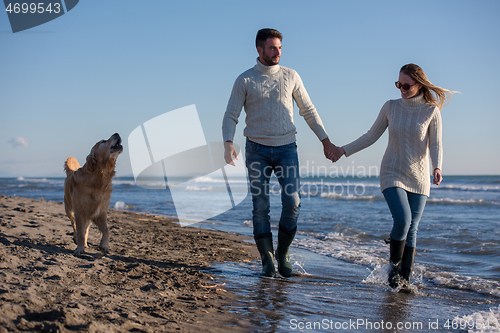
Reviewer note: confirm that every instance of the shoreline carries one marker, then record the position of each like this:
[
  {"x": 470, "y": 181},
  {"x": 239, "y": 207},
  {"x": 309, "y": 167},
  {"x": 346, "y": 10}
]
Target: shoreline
[{"x": 155, "y": 278}]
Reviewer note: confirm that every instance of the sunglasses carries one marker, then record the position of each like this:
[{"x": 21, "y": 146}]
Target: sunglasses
[{"x": 405, "y": 86}]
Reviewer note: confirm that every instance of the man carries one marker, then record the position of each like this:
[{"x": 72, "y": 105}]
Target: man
[{"x": 267, "y": 92}]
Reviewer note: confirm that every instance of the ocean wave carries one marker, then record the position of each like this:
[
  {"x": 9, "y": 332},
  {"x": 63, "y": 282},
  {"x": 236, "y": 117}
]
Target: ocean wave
[
  {"x": 342, "y": 247},
  {"x": 39, "y": 182},
  {"x": 33, "y": 180},
  {"x": 248, "y": 223},
  {"x": 480, "y": 322},
  {"x": 206, "y": 179},
  {"x": 343, "y": 184},
  {"x": 375, "y": 256},
  {"x": 120, "y": 205},
  {"x": 118, "y": 182},
  {"x": 471, "y": 188},
  {"x": 197, "y": 188},
  {"x": 351, "y": 197},
  {"x": 453, "y": 280},
  {"x": 174, "y": 181},
  {"x": 449, "y": 201}
]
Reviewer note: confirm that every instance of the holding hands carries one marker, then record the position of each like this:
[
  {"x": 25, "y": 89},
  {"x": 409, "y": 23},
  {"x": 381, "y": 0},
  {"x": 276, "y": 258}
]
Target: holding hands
[
  {"x": 337, "y": 155},
  {"x": 331, "y": 151}
]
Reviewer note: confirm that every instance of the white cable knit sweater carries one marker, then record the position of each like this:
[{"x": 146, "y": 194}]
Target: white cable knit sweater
[
  {"x": 267, "y": 93},
  {"x": 414, "y": 127}
]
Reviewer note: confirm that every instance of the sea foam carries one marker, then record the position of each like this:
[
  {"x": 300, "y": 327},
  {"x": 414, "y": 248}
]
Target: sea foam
[
  {"x": 120, "y": 205},
  {"x": 481, "y": 322}
]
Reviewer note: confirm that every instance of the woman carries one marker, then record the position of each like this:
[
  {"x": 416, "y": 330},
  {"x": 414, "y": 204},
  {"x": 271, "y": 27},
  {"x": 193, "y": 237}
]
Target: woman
[{"x": 414, "y": 123}]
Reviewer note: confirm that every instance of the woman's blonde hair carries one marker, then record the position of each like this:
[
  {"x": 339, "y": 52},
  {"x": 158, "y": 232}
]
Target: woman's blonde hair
[{"x": 432, "y": 94}]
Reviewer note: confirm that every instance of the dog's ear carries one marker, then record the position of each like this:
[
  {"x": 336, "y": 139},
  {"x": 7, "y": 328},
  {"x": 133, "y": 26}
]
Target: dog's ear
[
  {"x": 92, "y": 157},
  {"x": 91, "y": 161}
]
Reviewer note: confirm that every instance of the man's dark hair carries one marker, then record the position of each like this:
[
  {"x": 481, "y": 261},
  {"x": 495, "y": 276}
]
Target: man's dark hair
[{"x": 264, "y": 34}]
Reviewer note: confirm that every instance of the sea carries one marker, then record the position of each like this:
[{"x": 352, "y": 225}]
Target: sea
[{"x": 340, "y": 255}]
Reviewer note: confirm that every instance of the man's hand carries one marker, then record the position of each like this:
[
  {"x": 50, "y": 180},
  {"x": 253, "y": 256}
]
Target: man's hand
[
  {"x": 438, "y": 178},
  {"x": 229, "y": 153}
]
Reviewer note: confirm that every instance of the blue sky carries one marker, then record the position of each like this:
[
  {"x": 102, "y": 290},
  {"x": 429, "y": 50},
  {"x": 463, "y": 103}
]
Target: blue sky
[{"x": 109, "y": 66}]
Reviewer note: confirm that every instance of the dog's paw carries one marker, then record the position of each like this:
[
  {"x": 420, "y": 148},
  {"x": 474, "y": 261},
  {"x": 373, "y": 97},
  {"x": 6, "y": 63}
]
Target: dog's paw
[
  {"x": 78, "y": 252},
  {"x": 104, "y": 250}
]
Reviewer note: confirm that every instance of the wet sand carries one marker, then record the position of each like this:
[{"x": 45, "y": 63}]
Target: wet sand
[{"x": 153, "y": 280}]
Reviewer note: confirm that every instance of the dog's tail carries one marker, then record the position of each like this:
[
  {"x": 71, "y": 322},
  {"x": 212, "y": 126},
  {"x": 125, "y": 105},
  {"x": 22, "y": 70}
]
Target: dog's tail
[{"x": 71, "y": 165}]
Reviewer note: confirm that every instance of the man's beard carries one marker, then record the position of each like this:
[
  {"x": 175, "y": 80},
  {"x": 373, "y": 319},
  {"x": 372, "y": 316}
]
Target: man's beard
[{"x": 269, "y": 61}]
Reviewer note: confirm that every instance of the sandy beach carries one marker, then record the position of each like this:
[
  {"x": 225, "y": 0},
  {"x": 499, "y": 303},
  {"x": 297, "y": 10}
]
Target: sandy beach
[{"x": 153, "y": 280}]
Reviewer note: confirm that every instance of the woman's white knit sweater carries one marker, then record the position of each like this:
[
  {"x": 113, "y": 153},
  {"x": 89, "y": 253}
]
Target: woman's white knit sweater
[
  {"x": 267, "y": 93},
  {"x": 414, "y": 128}
]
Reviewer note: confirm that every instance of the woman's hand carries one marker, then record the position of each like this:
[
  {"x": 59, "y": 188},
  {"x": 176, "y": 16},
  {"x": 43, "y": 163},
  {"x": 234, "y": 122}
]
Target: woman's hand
[{"x": 438, "y": 178}]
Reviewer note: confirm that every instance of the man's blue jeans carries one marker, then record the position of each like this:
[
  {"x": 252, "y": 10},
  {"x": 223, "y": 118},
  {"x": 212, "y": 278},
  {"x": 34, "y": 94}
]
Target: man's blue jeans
[
  {"x": 261, "y": 161},
  {"x": 406, "y": 208}
]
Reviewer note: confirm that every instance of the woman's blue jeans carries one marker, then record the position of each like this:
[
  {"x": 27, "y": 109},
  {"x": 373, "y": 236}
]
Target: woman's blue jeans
[
  {"x": 406, "y": 208},
  {"x": 261, "y": 162}
]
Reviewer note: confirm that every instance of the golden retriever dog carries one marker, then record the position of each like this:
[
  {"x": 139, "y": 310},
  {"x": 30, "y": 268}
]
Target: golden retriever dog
[{"x": 87, "y": 191}]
